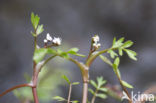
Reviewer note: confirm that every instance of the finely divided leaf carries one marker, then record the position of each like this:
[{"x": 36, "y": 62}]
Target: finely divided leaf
[
  {"x": 131, "y": 54},
  {"x": 127, "y": 44}
]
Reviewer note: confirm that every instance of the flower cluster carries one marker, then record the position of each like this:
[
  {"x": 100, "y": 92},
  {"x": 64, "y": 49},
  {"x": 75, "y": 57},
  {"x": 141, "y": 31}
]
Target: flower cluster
[
  {"x": 55, "y": 40},
  {"x": 95, "y": 40}
]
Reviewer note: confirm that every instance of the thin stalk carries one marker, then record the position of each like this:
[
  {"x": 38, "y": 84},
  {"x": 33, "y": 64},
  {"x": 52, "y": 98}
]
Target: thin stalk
[
  {"x": 120, "y": 81},
  {"x": 35, "y": 42},
  {"x": 124, "y": 89},
  {"x": 69, "y": 94},
  {"x": 94, "y": 96},
  {"x": 15, "y": 87},
  {"x": 93, "y": 57},
  {"x": 85, "y": 93}
]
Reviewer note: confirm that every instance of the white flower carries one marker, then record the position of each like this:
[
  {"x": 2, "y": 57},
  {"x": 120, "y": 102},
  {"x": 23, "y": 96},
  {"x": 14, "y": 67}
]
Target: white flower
[
  {"x": 57, "y": 40},
  {"x": 96, "y": 45},
  {"x": 45, "y": 40},
  {"x": 49, "y": 38},
  {"x": 96, "y": 38}
]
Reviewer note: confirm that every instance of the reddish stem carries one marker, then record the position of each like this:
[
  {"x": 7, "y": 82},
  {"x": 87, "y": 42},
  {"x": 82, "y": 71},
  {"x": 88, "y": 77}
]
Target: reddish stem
[
  {"x": 34, "y": 90},
  {"x": 85, "y": 93},
  {"x": 15, "y": 87}
]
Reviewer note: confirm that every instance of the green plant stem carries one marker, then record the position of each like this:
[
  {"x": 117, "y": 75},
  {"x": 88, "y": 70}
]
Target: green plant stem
[
  {"x": 120, "y": 81},
  {"x": 94, "y": 96},
  {"x": 124, "y": 89},
  {"x": 85, "y": 76},
  {"x": 69, "y": 94},
  {"x": 94, "y": 56},
  {"x": 35, "y": 42}
]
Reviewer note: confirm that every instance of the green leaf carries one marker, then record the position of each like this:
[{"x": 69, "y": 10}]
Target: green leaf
[
  {"x": 35, "y": 20},
  {"x": 127, "y": 44},
  {"x": 121, "y": 40},
  {"x": 75, "y": 50},
  {"x": 120, "y": 51},
  {"x": 100, "y": 81},
  {"x": 131, "y": 54},
  {"x": 103, "y": 89},
  {"x": 103, "y": 96},
  {"x": 112, "y": 53},
  {"x": 75, "y": 83},
  {"x": 114, "y": 40},
  {"x": 66, "y": 78},
  {"x": 39, "y": 54},
  {"x": 91, "y": 91},
  {"x": 32, "y": 18},
  {"x": 106, "y": 60},
  {"x": 127, "y": 84},
  {"x": 64, "y": 55},
  {"x": 51, "y": 51},
  {"x": 118, "y": 43},
  {"x": 58, "y": 98},
  {"x": 80, "y": 55},
  {"x": 75, "y": 101},
  {"x": 116, "y": 70},
  {"x": 93, "y": 83},
  {"x": 33, "y": 34},
  {"x": 117, "y": 61},
  {"x": 39, "y": 29}
]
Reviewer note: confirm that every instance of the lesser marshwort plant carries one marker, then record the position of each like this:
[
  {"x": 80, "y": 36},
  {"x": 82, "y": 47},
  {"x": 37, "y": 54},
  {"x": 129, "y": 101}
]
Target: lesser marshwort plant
[{"x": 101, "y": 89}]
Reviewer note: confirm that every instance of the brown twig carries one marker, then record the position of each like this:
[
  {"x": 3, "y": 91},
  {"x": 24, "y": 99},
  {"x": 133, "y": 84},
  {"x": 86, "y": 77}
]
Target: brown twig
[{"x": 15, "y": 87}]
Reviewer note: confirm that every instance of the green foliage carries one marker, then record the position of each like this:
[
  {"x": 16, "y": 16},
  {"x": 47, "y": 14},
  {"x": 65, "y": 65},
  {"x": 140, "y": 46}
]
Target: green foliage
[
  {"x": 112, "y": 53},
  {"x": 39, "y": 54},
  {"x": 127, "y": 84},
  {"x": 122, "y": 46},
  {"x": 99, "y": 87},
  {"x": 75, "y": 101},
  {"x": 116, "y": 66},
  {"x": 35, "y": 22},
  {"x": 58, "y": 98},
  {"x": 106, "y": 60},
  {"x": 103, "y": 96},
  {"x": 131, "y": 54},
  {"x": 74, "y": 51},
  {"x": 66, "y": 79},
  {"x": 75, "y": 83}
]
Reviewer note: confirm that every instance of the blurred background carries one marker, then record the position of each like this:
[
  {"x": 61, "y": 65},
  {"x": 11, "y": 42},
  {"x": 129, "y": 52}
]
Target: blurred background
[{"x": 76, "y": 22}]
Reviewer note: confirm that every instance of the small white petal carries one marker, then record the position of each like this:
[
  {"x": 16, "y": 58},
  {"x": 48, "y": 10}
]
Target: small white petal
[
  {"x": 96, "y": 38},
  {"x": 96, "y": 45},
  {"x": 49, "y": 38},
  {"x": 45, "y": 40},
  {"x": 57, "y": 41}
]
